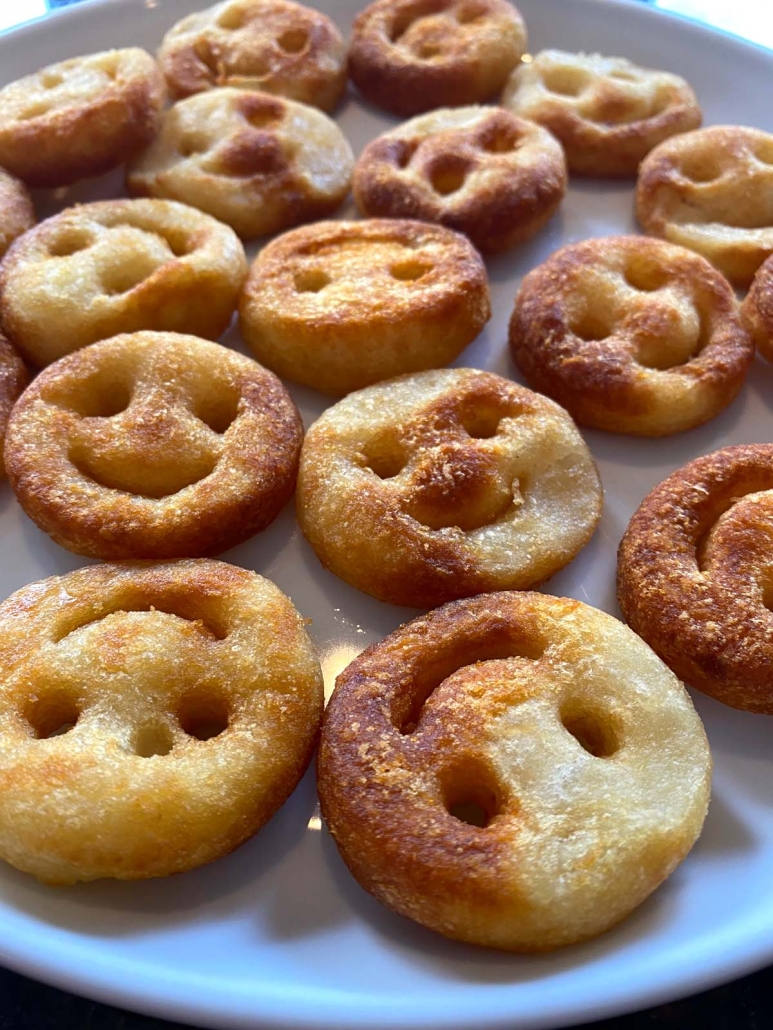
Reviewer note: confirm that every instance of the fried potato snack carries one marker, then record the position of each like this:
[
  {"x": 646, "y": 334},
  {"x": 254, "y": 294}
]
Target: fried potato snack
[
  {"x": 443, "y": 484},
  {"x": 81, "y": 117},
  {"x": 513, "y": 770},
  {"x": 152, "y": 717},
  {"x": 153, "y": 445}
]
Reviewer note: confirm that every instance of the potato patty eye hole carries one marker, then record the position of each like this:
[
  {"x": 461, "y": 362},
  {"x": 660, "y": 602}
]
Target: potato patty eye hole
[
  {"x": 204, "y": 715},
  {"x": 566, "y": 82},
  {"x": 471, "y": 791},
  {"x": 70, "y": 242},
  {"x": 593, "y": 729},
  {"x": 410, "y": 270},
  {"x": 448, "y": 176},
  {"x": 153, "y": 739},
  {"x": 52, "y": 715},
  {"x": 293, "y": 41}
]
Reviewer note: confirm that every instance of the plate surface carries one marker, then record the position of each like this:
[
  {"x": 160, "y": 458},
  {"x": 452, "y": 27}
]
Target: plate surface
[{"x": 278, "y": 934}]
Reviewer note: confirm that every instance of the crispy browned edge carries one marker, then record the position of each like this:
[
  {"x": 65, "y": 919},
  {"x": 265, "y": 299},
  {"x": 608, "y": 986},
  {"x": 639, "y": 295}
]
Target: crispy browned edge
[
  {"x": 202, "y": 533},
  {"x": 602, "y": 389},
  {"x": 385, "y": 792},
  {"x": 757, "y": 309},
  {"x": 60, "y": 148},
  {"x": 13, "y": 380},
  {"x": 716, "y": 640},
  {"x": 173, "y": 298},
  {"x": 407, "y": 86},
  {"x": 494, "y": 217},
  {"x": 17, "y": 212}
]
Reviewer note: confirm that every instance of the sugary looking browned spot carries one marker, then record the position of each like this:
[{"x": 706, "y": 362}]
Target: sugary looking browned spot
[
  {"x": 757, "y": 310},
  {"x": 17, "y": 213},
  {"x": 712, "y": 191},
  {"x": 152, "y": 717},
  {"x": 269, "y": 45},
  {"x": 694, "y": 574},
  {"x": 153, "y": 445},
  {"x": 479, "y": 170},
  {"x": 443, "y": 484},
  {"x": 410, "y": 56},
  {"x": 607, "y": 112},
  {"x": 13, "y": 379},
  {"x": 513, "y": 770},
  {"x": 81, "y": 117},
  {"x": 259, "y": 163},
  {"x": 100, "y": 269},
  {"x": 341, "y": 305},
  {"x": 631, "y": 335}
]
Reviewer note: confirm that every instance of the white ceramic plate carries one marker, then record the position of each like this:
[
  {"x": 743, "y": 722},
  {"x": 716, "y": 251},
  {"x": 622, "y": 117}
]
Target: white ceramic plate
[{"x": 278, "y": 934}]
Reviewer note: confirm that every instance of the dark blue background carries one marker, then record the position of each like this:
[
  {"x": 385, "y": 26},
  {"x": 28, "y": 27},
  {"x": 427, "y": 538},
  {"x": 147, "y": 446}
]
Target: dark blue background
[{"x": 744, "y": 1005}]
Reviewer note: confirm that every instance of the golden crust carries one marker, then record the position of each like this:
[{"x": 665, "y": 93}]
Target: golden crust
[
  {"x": 341, "y": 305},
  {"x": 631, "y": 335},
  {"x": 259, "y": 163},
  {"x": 712, "y": 191},
  {"x": 13, "y": 379},
  {"x": 444, "y": 484},
  {"x": 514, "y": 770},
  {"x": 195, "y": 696},
  {"x": 273, "y": 46},
  {"x": 479, "y": 170},
  {"x": 153, "y": 445},
  {"x": 757, "y": 309},
  {"x": 115, "y": 266},
  {"x": 17, "y": 213},
  {"x": 607, "y": 112},
  {"x": 410, "y": 56},
  {"x": 694, "y": 575},
  {"x": 81, "y": 117}
]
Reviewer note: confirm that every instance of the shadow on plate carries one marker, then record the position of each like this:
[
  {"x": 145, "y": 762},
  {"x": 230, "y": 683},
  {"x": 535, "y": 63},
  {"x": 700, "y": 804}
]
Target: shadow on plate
[
  {"x": 723, "y": 832},
  {"x": 457, "y": 961},
  {"x": 242, "y": 881}
]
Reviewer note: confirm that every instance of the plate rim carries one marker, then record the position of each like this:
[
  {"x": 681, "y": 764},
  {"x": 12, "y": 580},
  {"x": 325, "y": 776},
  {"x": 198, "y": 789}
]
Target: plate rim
[{"x": 107, "y": 981}]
